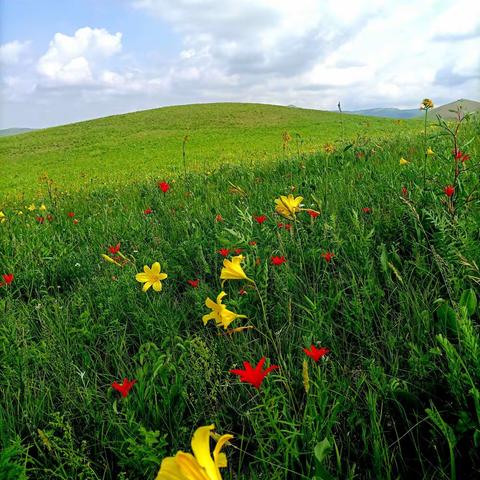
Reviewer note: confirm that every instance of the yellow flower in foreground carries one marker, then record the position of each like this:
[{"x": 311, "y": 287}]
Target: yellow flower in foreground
[
  {"x": 288, "y": 206},
  {"x": 219, "y": 312},
  {"x": 31, "y": 207},
  {"x": 3, "y": 217},
  {"x": 403, "y": 161},
  {"x": 200, "y": 465},
  {"x": 232, "y": 270},
  {"x": 430, "y": 151},
  {"x": 42, "y": 207},
  {"x": 151, "y": 277}
]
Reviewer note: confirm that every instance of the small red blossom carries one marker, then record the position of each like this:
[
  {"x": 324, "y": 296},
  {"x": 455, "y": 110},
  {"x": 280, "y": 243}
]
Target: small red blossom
[
  {"x": 288, "y": 226},
  {"x": 313, "y": 213},
  {"x": 459, "y": 155},
  {"x": 148, "y": 211},
  {"x": 252, "y": 243},
  {"x": 219, "y": 218},
  {"x": 50, "y": 217},
  {"x": 260, "y": 219},
  {"x": 254, "y": 376},
  {"x": 75, "y": 222},
  {"x": 40, "y": 219},
  {"x": 242, "y": 291},
  {"x": 125, "y": 387},
  {"x": 7, "y": 279},
  {"x": 280, "y": 225},
  {"x": 366, "y": 210},
  {"x": 278, "y": 260},
  {"x": 316, "y": 353},
  {"x": 404, "y": 192},
  {"x": 71, "y": 214},
  {"x": 238, "y": 251},
  {"x": 224, "y": 252},
  {"x": 193, "y": 283},
  {"x": 164, "y": 186},
  {"x": 449, "y": 190},
  {"x": 115, "y": 249},
  {"x": 328, "y": 256}
]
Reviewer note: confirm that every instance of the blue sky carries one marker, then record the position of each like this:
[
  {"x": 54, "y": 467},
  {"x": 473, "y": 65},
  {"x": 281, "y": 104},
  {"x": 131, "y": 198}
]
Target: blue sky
[{"x": 65, "y": 61}]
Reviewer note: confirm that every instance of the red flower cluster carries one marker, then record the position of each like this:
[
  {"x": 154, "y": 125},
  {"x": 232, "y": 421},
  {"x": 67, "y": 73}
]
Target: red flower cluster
[
  {"x": 219, "y": 218},
  {"x": 313, "y": 213},
  {"x": 7, "y": 279},
  {"x": 71, "y": 214},
  {"x": 254, "y": 376},
  {"x": 148, "y": 211},
  {"x": 115, "y": 249},
  {"x": 316, "y": 353},
  {"x": 328, "y": 256},
  {"x": 164, "y": 186},
  {"x": 278, "y": 260},
  {"x": 40, "y": 219},
  {"x": 449, "y": 190},
  {"x": 224, "y": 252},
  {"x": 260, "y": 219},
  {"x": 193, "y": 283},
  {"x": 459, "y": 155},
  {"x": 252, "y": 243},
  {"x": 124, "y": 387},
  {"x": 238, "y": 251},
  {"x": 286, "y": 226},
  {"x": 366, "y": 210}
]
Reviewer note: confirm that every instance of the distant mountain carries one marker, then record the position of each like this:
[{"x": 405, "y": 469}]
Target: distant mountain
[
  {"x": 14, "y": 131},
  {"x": 388, "y": 112},
  {"x": 465, "y": 106}
]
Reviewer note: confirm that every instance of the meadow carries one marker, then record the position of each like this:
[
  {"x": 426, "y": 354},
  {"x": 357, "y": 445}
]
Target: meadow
[{"x": 377, "y": 267}]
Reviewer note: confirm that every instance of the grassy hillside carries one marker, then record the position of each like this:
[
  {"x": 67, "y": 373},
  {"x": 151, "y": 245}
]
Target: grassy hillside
[{"x": 134, "y": 146}]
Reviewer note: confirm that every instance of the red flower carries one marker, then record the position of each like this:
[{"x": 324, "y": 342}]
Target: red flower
[
  {"x": 125, "y": 387},
  {"x": 193, "y": 283},
  {"x": 288, "y": 226},
  {"x": 366, "y": 210},
  {"x": 316, "y": 353},
  {"x": 313, "y": 213},
  {"x": 50, "y": 217},
  {"x": 164, "y": 186},
  {"x": 278, "y": 260},
  {"x": 465, "y": 157},
  {"x": 252, "y": 243},
  {"x": 148, "y": 211},
  {"x": 71, "y": 214},
  {"x": 238, "y": 251},
  {"x": 260, "y": 219},
  {"x": 8, "y": 279},
  {"x": 114, "y": 249},
  {"x": 280, "y": 225},
  {"x": 404, "y": 192},
  {"x": 328, "y": 256},
  {"x": 40, "y": 219},
  {"x": 254, "y": 376},
  {"x": 219, "y": 218},
  {"x": 75, "y": 222},
  {"x": 242, "y": 291},
  {"x": 224, "y": 252},
  {"x": 449, "y": 190}
]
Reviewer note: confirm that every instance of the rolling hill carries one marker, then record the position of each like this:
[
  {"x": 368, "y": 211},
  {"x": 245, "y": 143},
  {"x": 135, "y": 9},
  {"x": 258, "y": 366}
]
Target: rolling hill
[
  {"x": 465, "y": 106},
  {"x": 135, "y": 146}
]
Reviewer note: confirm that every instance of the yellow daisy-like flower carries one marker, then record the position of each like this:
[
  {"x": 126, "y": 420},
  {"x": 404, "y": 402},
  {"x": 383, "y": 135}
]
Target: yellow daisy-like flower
[
  {"x": 42, "y": 207},
  {"x": 219, "y": 312},
  {"x": 232, "y": 270},
  {"x": 430, "y": 151},
  {"x": 151, "y": 277},
  {"x": 200, "y": 465},
  {"x": 288, "y": 206},
  {"x": 426, "y": 104},
  {"x": 3, "y": 217},
  {"x": 403, "y": 161},
  {"x": 31, "y": 207}
]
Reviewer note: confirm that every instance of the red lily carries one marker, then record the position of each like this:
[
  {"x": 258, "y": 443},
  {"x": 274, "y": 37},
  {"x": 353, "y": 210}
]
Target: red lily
[
  {"x": 252, "y": 243},
  {"x": 40, "y": 219},
  {"x": 125, "y": 387},
  {"x": 254, "y": 376},
  {"x": 260, "y": 219},
  {"x": 328, "y": 256},
  {"x": 224, "y": 252},
  {"x": 75, "y": 221},
  {"x": 219, "y": 218},
  {"x": 278, "y": 260},
  {"x": 71, "y": 214},
  {"x": 238, "y": 251},
  {"x": 404, "y": 192},
  {"x": 316, "y": 353},
  {"x": 288, "y": 226},
  {"x": 313, "y": 213},
  {"x": 148, "y": 211},
  {"x": 164, "y": 186},
  {"x": 193, "y": 283},
  {"x": 242, "y": 291},
  {"x": 366, "y": 210},
  {"x": 8, "y": 279},
  {"x": 449, "y": 190},
  {"x": 280, "y": 225},
  {"x": 115, "y": 249}
]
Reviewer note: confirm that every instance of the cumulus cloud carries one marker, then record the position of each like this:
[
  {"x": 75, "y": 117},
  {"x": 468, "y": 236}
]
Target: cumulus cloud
[{"x": 11, "y": 53}]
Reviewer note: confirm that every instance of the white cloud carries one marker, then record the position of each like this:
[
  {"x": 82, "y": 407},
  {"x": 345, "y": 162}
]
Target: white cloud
[{"x": 11, "y": 53}]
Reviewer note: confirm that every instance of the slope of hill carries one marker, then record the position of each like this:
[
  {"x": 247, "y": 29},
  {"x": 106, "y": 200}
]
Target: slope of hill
[
  {"x": 465, "y": 106},
  {"x": 138, "y": 145},
  {"x": 389, "y": 112},
  {"x": 7, "y": 132}
]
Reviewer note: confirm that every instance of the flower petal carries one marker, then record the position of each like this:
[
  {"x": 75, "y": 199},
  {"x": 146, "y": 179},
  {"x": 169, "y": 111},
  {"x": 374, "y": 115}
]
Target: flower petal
[
  {"x": 146, "y": 286},
  {"x": 220, "y": 459},
  {"x": 201, "y": 449},
  {"x": 157, "y": 286},
  {"x": 142, "y": 277},
  {"x": 156, "y": 268}
]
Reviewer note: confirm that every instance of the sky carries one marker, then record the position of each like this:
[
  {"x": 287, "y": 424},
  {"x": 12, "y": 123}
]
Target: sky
[{"x": 71, "y": 60}]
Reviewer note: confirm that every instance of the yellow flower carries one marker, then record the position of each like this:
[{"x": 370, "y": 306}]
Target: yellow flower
[
  {"x": 426, "y": 104},
  {"x": 430, "y": 151},
  {"x": 219, "y": 312},
  {"x": 288, "y": 206},
  {"x": 403, "y": 161},
  {"x": 31, "y": 207},
  {"x": 42, "y": 207},
  {"x": 151, "y": 276},
  {"x": 19, "y": 212},
  {"x": 200, "y": 465},
  {"x": 329, "y": 148},
  {"x": 232, "y": 270},
  {"x": 3, "y": 217}
]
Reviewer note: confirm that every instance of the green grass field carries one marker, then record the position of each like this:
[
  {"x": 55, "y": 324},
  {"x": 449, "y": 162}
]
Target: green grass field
[
  {"x": 137, "y": 146},
  {"x": 397, "y": 396}
]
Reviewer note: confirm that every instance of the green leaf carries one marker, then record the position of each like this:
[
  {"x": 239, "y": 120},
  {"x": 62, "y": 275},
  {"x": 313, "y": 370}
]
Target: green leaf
[
  {"x": 447, "y": 316},
  {"x": 469, "y": 301},
  {"x": 322, "y": 449}
]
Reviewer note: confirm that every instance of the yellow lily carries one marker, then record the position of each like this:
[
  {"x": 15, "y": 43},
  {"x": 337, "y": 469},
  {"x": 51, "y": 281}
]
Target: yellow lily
[
  {"x": 403, "y": 161},
  {"x": 430, "y": 151},
  {"x": 232, "y": 270},
  {"x": 3, "y": 217},
  {"x": 219, "y": 312},
  {"x": 42, "y": 207},
  {"x": 31, "y": 207},
  {"x": 151, "y": 277},
  {"x": 288, "y": 206},
  {"x": 200, "y": 465}
]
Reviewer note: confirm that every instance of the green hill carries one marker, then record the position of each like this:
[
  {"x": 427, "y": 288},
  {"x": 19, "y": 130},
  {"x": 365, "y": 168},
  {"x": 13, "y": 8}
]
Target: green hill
[{"x": 134, "y": 146}]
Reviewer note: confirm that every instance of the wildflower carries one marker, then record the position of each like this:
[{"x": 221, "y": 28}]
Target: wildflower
[
  {"x": 288, "y": 226},
  {"x": 242, "y": 291},
  {"x": 426, "y": 104},
  {"x": 124, "y": 387},
  {"x": 232, "y": 269},
  {"x": 31, "y": 207},
  {"x": 219, "y": 218},
  {"x": 151, "y": 277},
  {"x": 148, "y": 211},
  {"x": 465, "y": 157},
  {"x": 200, "y": 465},
  {"x": 238, "y": 251},
  {"x": 71, "y": 214},
  {"x": 430, "y": 151},
  {"x": 404, "y": 192},
  {"x": 42, "y": 207},
  {"x": 254, "y": 376},
  {"x": 366, "y": 210},
  {"x": 252, "y": 243},
  {"x": 164, "y": 186},
  {"x": 258, "y": 261},
  {"x": 449, "y": 190},
  {"x": 278, "y": 260},
  {"x": 193, "y": 283},
  {"x": 224, "y": 252},
  {"x": 75, "y": 221},
  {"x": 50, "y": 217},
  {"x": 220, "y": 313},
  {"x": 40, "y": 219},
  {"x": 7, "y": 279},
  {"x": 329, "y": 148},
  {"x": 313, "y": 213},
  {"x": 403, "y": 161},
  {"x": 316, "y": 353},
  {"x": 3, "y": 217},
  {"x": 18, "y": 213},
  {"x": 459, "y": 155},
  {"x": 328, "y": 256},
  {"x": 115, "y": 249},
  {"x": 110, "y": 260},
  {"x": 280, "y": 225},
  {"x": 260, "y": 219},
  {"x": 289, "y": 206}
]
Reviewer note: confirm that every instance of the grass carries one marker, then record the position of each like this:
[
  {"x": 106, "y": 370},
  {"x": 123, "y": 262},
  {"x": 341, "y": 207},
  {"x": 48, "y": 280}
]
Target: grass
[
  {"x": 126, "y": 148},
  {"x": 396, "y": 397}
]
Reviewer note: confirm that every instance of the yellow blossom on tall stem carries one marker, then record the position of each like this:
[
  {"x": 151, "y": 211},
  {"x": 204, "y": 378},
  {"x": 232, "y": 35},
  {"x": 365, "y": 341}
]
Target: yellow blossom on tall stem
[
  {"x": 232, "y": 270},
  {"x": 289, "y": 206},
  {"x": 200, "y": 465},
  {"x": 220, "y": 313},
  {"x": 151, "y": 277}
]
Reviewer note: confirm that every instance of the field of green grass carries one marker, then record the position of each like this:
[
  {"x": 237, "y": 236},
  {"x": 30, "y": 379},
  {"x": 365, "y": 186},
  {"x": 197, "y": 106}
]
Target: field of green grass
[
  {"x": 137, "y": 146},
  {"x": 396, "y": 396}
]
